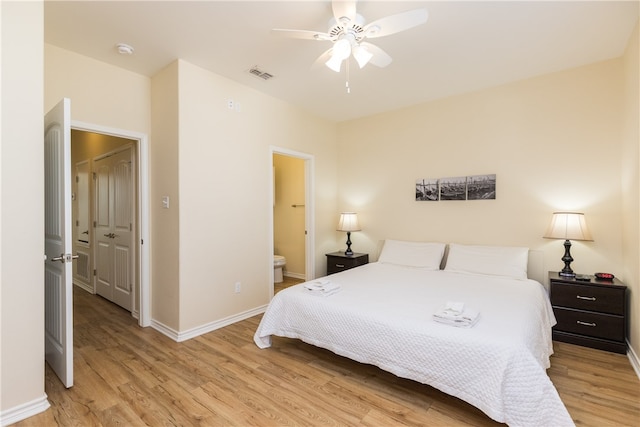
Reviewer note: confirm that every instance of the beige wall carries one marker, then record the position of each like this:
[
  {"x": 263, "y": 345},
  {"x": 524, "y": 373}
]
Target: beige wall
[
  {"x": 225, "y": 209},
  {"x": 165, "y": 237},
  {"x": 289, "y": 221},
  {"x": 100, "y": 94},
  {"x": 553, "y": 141},
  {"x": 22, "y": 218},
  {"x": 631, "y": 185}
]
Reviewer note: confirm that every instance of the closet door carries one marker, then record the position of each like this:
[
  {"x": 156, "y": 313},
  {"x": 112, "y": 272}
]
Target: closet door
[{"x": 114, "y": 228}]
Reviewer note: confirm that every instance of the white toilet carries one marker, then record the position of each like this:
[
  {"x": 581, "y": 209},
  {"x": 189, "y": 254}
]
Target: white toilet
[{"x": 278, "y": 262}]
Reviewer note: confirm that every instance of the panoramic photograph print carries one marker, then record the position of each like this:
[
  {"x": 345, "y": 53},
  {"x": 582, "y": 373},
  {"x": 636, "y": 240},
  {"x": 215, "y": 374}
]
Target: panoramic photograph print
[
  {"x": 481, "y": 187},
  {"x": 427, "y": 189},
  {"x": 454, "y": 188}
]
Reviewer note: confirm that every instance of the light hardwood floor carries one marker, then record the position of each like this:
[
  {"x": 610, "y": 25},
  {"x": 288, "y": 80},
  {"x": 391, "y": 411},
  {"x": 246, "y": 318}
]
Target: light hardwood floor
[
  {"x": 286, "y": 282},
  {"x": 129, "y": 376}
]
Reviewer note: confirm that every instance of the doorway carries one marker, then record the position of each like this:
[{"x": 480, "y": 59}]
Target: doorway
[
  {"x": 292, "y": 219},
  {"x": 289, "y": 215},
  {"x": 106, "y": 142},
  {"x": 103, "y": 214}
]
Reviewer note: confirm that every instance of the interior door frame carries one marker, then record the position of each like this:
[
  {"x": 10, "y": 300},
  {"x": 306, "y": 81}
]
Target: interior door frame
[
  {"x": 141, "y": 144},
  {"x": 309, "y": 212}
]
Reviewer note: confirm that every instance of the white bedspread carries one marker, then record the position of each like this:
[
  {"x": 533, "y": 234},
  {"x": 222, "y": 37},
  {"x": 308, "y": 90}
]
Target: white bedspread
[{"x": 383, "y": 316}]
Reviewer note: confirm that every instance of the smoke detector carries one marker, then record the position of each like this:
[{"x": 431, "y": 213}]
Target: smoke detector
[{"x": 124, "y": 49}]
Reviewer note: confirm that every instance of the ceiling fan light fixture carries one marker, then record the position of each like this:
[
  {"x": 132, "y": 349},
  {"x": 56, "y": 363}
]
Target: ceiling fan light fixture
[
  {"x": 348, "y": 31},
  {"x": 362, "y": 55},
  {"x": 342, "y": 48},
  {"x": 341, "y": 51},
  {"x": 334, "y": 63}
]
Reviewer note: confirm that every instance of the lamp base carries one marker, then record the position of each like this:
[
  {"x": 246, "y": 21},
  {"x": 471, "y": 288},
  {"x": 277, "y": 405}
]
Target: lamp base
[
  {"x": 348, "y": 252},
  {"x": 567, "y": 271}
]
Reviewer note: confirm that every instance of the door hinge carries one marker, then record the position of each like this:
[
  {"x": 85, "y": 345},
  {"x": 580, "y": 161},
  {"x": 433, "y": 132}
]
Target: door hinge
[
  {"x": 94, "y": 224},
  {"x": 94, "y": 175},
  {"x": 95, "y": 271},
  {"x": 77, "y": 178},
  {"x": 77, "y": 223},
  {"x": 130, "y": 227}
]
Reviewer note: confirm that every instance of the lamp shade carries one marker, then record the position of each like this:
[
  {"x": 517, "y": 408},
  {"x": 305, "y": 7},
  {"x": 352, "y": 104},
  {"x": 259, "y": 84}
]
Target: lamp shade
[
  {"x": 341, "y": 51},
  {"x": 362, "y": 55},
  {"x": 348, "y": 222},
  {"x": 568, "y": 226}
]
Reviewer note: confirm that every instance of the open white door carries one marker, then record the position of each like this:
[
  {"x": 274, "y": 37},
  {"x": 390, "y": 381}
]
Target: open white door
[{"x": 57, "y": 236}]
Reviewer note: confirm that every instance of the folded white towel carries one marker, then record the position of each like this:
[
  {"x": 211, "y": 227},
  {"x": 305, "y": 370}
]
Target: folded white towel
[
  {"x": 322, "y": 287},
  {"x": 454, "y": 307},
  {"x": 465, "y": 319}
]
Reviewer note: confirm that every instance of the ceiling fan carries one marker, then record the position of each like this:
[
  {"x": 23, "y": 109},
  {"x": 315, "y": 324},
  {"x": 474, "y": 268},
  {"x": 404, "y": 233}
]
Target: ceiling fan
[{"x": 348, "y": 32}]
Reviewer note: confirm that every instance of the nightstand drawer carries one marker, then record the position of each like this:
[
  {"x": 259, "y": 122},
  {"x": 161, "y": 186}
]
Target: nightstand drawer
[
  {"x": 591, "y": 324},
  {"x": 338, "y": 261},
  {"x": 586, "y": 297},
  {"x": 342, "y": 263}
]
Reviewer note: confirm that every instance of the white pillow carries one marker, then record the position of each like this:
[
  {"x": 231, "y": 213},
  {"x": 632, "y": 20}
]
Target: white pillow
[
  {"x": 493, "y": 260},
  {"x": 412, "y": 254}
]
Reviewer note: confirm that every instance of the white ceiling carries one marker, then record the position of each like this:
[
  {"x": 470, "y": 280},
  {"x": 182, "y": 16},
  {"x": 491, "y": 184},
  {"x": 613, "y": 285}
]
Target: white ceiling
[{"x": 464, "y": 46}]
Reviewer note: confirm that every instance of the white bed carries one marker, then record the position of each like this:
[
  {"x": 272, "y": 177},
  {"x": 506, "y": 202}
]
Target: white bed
[{"x": 383, "y": 315}]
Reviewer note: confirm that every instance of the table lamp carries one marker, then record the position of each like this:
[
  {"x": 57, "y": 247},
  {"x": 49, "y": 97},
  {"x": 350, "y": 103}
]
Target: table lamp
[
  {"x": 568, "y": 226},
  {"x": 348, "y": 222}
]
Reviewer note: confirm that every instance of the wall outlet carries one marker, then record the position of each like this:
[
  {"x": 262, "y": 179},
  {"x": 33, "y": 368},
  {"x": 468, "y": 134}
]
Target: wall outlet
[{"x": 237, "y": 287}]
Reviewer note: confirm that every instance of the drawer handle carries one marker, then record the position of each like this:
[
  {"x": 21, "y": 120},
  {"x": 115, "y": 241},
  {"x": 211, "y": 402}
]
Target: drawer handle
[
  {"x": 593, "y": 325},
  {"x": 586, "y": 298},
  {"x": 340, "y": 265}
]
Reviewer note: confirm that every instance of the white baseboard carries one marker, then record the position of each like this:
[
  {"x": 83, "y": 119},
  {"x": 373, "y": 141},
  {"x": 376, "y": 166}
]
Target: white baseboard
[
  {"x": 84, "y": 286},
  {"x": 164, "y": 329},
  {"x": 633, "y": 358},
  {"x": 295, "y": 275},
  {"x": 24, "y": 411},
  {"x": 201, "y": 330}
]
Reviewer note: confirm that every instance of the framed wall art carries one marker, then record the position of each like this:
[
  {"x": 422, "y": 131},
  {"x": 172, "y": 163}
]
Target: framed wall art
[{"x": 473, "y": 187}]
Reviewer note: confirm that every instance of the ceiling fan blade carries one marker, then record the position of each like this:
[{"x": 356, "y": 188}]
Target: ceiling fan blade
[
  {"x": 395, "y": 23},
  {"x": 344, "y": 8},
  {"x": 380, "y": 58},
  {"x": 301, "y": 34},
  {"x": 322, "y": 59}
]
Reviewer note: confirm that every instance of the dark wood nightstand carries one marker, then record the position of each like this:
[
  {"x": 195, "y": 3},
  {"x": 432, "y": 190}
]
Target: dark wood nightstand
[
  {"x": 591, "y": 314},
  {"x": 338, "y": 261}
]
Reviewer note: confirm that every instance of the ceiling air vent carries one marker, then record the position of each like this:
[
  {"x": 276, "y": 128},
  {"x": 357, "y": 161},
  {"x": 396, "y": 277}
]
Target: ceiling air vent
[{"x": 256, "y": 72}]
